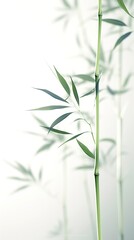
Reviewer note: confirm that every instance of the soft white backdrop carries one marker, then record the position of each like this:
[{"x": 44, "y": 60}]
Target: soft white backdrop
[{"x": 29, "y": 42}]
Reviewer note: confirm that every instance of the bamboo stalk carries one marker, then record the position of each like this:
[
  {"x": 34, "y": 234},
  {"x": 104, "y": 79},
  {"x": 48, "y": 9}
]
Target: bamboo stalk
[
  {"x": 97, "y": 78},
  {"x": 64, "y": 203},
  {"x": 119, "y": 155}
]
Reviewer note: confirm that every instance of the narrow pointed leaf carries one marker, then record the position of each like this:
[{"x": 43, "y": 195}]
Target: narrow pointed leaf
[
  {"x": 52, "y": 94},
  {"x": 40, "y": 174},
  {"x": 45, "y": 147},
  {"x": 63, "y": 82},
  {"x": 66, "y": 3},
  {"x": 52, "y": 107},
  {"x": 85, "y": 77},
  {"x": 88, "y": 93},
  {"x": 75, "y": 92},
  {"x": 114, "y": 22},
  {"x": 20, "y": 179},
  {"x": 85, "y": 149},
  {"x": 40, "y": 121},
  {"x": 21, "y": 188},
  {"x": 72, "y": 138},
  {"x": 56, "y": 130},
  {"x": 121, "y": 39},
  {"x": 108, "y": 140},
  {"x": 116, "y": 92},
  {"x": 123, "y": 6},
  {"x": 111, "y": 9},
  {"x": 21, "y": 168},
  {"x": 59, "y": 119},
  {"x": 127, "y": 80},
  {"x": 60, "y": 18},
  {"x": 84, "y": 167}
]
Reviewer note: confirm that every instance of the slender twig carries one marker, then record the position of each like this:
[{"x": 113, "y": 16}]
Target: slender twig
[{"x": 97, "y": 78}]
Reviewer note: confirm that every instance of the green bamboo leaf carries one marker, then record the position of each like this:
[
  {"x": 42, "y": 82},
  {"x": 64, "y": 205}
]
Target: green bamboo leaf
[
  {"x": 86, "y": 150},
  {"x": 59, "y": 119},
  {"x": 75, "y": 92},
  {"x": 85, "y": 77},
  {"x": 92, "y": 51},
  {"x": 108, "y": 140},
  {"x": 63, "y": 82},
  {"x": 72, "y": 138},
  {"x": 127, "y": 79},
  {"x": 56, "y": 130},
  {"x": 116, "y": 92},
  {"x": 114, "y": 22},
  {"x": 79, "y": 119},
  {"x": 21, "y": 168},
  {"x": 122, "y": 5},
  {"x": 40, "y": 121},
  {"x": 60, "y": 18},
  {"x": 19, "y": 179},
  {"x": 102, "y": 55},
  {"x": 66, "y": 4},
  {"x": 52, "y": 94},
  {"x": 110, "y": 9},
  {"x": 52, "y": 107},
  {"x": 84, "y": 167},
  {"x": 121, "y": 39},
  {"x": 31, "y": 174},
  {"x": 21, "y": 188},
  {"x": 45, "y": 147},
  {"x": 88, "y": 93},
  {"x": 40, "y": 174}
]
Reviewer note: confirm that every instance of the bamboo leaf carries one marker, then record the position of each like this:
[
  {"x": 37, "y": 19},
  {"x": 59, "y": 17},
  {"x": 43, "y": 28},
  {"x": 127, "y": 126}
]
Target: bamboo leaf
[
  {"x": 86, "y": 150},
  {"x": 19, "y": 179},
  {"x": 121, "y": 39},
  {"x": 56, "y": 130},
  {"x": 72, "y": 138},
  {"x": 22, "y": 169},
  {"x": 85, "y": 77},
  {"x": 75, "y": 92},
  {"x": 127, "y": 80},
  {"x": 66, "y": 4},
  {"x": 88, "y": 93},
  {"x": 123, "y": 6},
  {"x": 108, "y": 140},
  {"x": 40, "y": 121},
  {"x": 40, "y": 174},
  {"x": 84, "y": 167},
  {"x": 52, "y": 94},
  {"x": 59, "y": 119},
  {"x": 111, "y": 9},
  {"x": 52, "y": 107},
  {"x": 45, "y": 147},
  {"x": 114, "y": 22},
  {"x": 60, "y": 18},
  {"x": 116, "y": 92},
  {"x": 63, "y": 82},
  {"x": 21, "y": 188}
]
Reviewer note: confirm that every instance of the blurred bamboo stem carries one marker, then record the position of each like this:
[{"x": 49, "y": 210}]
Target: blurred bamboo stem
[
  {"x": 119, "y": 154},
  {"x": 65, "y": 217},
  {"x": 97, "y": 79}
]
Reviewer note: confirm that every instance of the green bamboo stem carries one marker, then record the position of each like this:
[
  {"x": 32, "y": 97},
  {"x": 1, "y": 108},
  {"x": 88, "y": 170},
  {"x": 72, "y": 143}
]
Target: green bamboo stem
[
  {"x": 97, "y": 78},
  {"x": 91, "y": 216},
  {"x": 64, "y": 202},
  {"x": 119, "y": 155}
]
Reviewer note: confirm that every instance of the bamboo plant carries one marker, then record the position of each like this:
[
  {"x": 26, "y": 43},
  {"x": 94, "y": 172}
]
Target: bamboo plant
[{"x": 93, "y": 155}]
